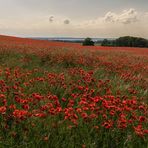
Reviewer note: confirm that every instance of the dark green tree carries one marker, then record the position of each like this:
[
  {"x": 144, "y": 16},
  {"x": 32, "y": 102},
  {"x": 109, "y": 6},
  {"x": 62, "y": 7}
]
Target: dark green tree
[
  {"x": 88, "y": 42},
  {"x": 105, "y": 42}
]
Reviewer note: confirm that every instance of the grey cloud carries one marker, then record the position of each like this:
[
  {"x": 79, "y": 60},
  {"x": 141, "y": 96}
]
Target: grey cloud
[
  {"x": 51, "y": 19},
  {"x": 66, "y": 22},
  {"x": 126, "y": 17}
]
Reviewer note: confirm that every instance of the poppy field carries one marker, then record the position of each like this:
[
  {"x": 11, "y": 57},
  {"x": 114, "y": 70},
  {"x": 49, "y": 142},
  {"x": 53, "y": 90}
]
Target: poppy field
[{"x": 65, "y": 95}]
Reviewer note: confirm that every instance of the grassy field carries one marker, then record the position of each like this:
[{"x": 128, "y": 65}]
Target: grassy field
[{"x": 63, "y": 95}]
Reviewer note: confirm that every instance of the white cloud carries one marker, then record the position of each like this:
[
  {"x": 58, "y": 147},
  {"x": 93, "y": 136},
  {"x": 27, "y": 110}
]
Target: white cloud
[
  {"x": 126, "y": 17},
  {"x": 110, "y": 17}
]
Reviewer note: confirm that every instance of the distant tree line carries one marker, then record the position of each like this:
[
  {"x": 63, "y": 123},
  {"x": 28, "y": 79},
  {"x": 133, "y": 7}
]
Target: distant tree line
[
  {"x": 126, "y": 41},
  {"x": 68, "y": 41}
]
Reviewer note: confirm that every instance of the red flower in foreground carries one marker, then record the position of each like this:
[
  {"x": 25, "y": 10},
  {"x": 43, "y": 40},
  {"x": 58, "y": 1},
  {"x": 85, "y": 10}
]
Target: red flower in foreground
[
  {"x": 142, "y": 118},
  {"x": 84, "y": 115},
  {"x": 2, "y": 109},
  {"x": 139, "y": 131},
  {"x": 20, "y": 114},
  {"x": 108, "y": 124}
]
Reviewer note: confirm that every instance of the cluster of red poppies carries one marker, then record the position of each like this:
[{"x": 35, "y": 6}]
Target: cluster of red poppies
[{"x": 78, "y": 100}]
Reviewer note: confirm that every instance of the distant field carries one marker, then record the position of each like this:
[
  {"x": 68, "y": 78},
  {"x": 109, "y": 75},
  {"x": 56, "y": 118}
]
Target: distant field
[{"x": 65, "y": 95}]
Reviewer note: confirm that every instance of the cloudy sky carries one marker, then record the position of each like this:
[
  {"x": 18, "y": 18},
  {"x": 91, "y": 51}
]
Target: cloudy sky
[{"x": 74, "y": 18}]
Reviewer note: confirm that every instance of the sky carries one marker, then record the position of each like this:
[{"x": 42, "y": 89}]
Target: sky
[{"x": 74, "y": 18}]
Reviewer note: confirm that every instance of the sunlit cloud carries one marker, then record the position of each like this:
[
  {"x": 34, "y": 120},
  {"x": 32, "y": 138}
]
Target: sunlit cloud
[{"x": 126, "y": 17}]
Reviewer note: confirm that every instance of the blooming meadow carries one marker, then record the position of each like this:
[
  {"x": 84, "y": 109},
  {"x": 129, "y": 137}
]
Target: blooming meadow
[{"x": 64, "y": 95}]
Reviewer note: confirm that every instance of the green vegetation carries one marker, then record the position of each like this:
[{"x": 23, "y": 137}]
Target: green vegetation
[{"x": 126, "y": 41}]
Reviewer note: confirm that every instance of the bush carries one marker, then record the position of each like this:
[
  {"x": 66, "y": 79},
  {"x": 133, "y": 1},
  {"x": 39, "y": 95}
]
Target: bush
[{"x": 88, "y": 42}]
